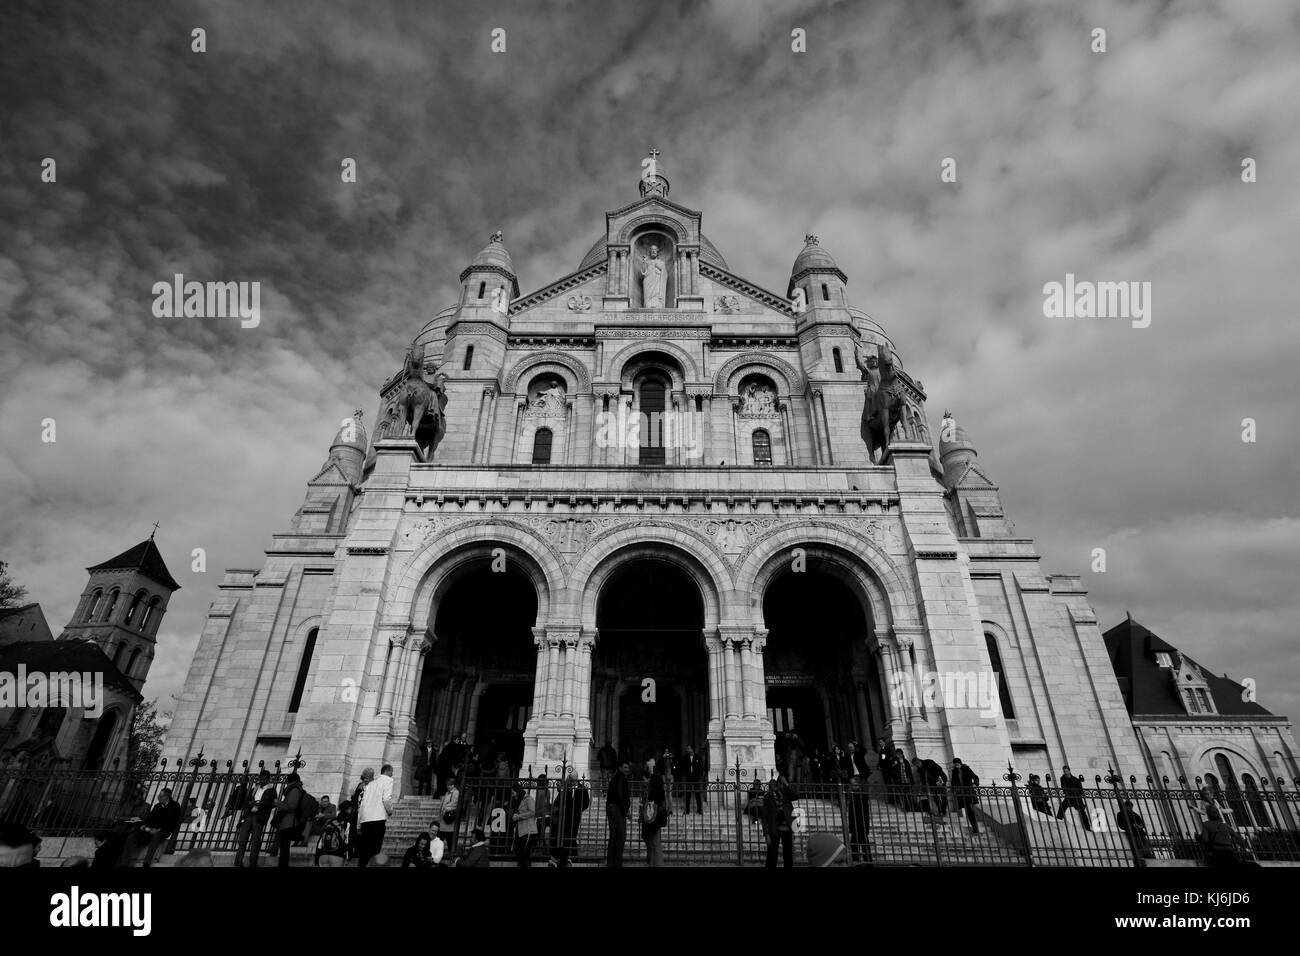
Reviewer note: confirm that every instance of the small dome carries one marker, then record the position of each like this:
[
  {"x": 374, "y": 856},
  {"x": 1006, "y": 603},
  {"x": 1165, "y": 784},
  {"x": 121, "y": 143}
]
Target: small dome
[
  {"x": 351, "y": 433},
  {"x": 494, "y": 254},
  {"x": 813, "y": 256},
  {"x": 953, "y": 438}
]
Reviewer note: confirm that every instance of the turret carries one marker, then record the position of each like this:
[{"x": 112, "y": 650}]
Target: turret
[{"x": 349, "y": 447}]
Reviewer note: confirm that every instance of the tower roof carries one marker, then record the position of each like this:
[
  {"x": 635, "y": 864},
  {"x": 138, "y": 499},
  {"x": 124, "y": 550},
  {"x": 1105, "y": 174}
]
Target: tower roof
[
  {"x": 144, "y": 557},
  {"x": 959, "y": 440},
  {"x": 494, "y": 254},
  {"x": 351, "y": 432},
  {"x": 813, "y": 256}
]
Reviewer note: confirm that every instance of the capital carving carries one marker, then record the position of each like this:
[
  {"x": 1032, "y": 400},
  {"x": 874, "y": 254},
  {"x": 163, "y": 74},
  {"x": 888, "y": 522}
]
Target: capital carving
[
  {"x": 424, "y": 645},
  {"x": 397, "y": 640}
]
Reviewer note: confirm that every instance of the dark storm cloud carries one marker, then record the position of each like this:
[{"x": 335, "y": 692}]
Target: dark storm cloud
[{"x": 225, "y": 165}]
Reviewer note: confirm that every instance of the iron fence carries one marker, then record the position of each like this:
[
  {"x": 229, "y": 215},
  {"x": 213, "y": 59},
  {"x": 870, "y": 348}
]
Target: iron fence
[{"x": 1114, "y": 821}]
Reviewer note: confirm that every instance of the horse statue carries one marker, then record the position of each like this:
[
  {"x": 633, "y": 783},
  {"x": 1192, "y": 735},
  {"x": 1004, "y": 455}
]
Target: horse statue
[
  {"x": 421, "y": 405},
  {"x": 883, "y": 408}
]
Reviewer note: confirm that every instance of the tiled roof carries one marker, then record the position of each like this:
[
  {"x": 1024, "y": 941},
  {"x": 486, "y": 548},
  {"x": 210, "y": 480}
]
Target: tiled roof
[
  {"x": 143, "y": 557},
  {"x": 1147, "y": 687}
]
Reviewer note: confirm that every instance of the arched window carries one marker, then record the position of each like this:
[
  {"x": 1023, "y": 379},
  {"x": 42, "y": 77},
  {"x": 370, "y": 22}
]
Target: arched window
[
  {"x": 482, "y": 287},
  {"x": 1254, "y": 800},
  {"x": 149, "y": 611},
  {"x": 50, "y": 722},
  {"x": 826, "y": 293},
  {"x": 304, "y": 667},
  {"x": 93, "y": 605},
  {"x": 1004, "y": 692},
  {"x": 1232, "y": 789},
  {"x": 839, "y": 361},
  {"x": 131, "y": 663},
  {"x": 112, "y": 604},
  {"x": 542, "y": 447},
  {"x": 762, "y": 447},
  {"x": 469, "y": 354},
  {"x": 135, "y": 603},
  {"x": 653, "y": 396},
  {"x": 100, "y": 742},
  {"x": 119, "y": 654}
]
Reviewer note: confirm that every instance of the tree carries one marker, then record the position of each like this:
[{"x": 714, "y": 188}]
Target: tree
[
  {"x": 11, "y": 594},
  {"x": 144, "y": 749}
]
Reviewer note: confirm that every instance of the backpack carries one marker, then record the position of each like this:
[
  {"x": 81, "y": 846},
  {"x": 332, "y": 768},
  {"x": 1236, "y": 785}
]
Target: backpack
[
  {"x": 649, "y": 813},
  {"x": 331, "y": 841},
  {"x": 308, "y": 807}
]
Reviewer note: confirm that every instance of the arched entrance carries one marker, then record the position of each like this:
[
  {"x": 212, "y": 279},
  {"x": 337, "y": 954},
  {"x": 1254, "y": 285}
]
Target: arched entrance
[
  {"x": 816, "y": 663},
  {"x": 478, "y": 676},
  {"x": 650, "y": 670}
]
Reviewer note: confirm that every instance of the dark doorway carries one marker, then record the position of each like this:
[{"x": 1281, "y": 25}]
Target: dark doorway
[
  {"x": 816, "y": 661},
  {"x": 650, "y": 616},
  {"x": 484, "y": 655}
]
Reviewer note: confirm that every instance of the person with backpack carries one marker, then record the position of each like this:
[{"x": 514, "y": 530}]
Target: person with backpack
[
  {"x": 287, "y": 816},
  {"x": 333, "y": 846},
  {"x": 654, "y": 817},
  {"x": 778, "y": 814},
  {"x": 570, "y": 804}
]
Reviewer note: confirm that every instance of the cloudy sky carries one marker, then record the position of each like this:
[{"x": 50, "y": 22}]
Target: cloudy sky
[{"x": 1117, "y": 166}]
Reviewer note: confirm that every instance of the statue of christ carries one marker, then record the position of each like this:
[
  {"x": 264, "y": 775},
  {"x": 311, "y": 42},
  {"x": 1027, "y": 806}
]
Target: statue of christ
[{"x": 653, "y": 279}]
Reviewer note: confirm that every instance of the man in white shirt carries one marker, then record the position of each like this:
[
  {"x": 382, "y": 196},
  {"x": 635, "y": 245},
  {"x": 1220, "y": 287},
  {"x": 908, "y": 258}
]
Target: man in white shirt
[{"x": 372, "y": 815}]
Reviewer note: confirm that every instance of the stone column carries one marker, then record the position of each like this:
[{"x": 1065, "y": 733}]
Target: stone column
[
  {"x": 569, "y": 429},
  {"x": 817, "y": 425},
  {"x": 706, "y": 427},
  {"x": 552, "y": 676},
  {"x": 784, "y": 407},
  {"x": 759, "y": 671},
  {"x": 485, "y": 452},
  {"x": 582, "y": 682},
  {"x": 864, "y": 713},
  {"x": 567, "y": 668},
  {"x": 729, "y": 664},
  {"x": 826, "y": 426},
  {"x": 735, "y": 431},
  {"x": 717, "y": 681},
  {"x": 540, "y": 671},
  {"x": 396, "y": 644},
  {"x": 746, "y": 678},
  {"x": 417, "y": 648}
]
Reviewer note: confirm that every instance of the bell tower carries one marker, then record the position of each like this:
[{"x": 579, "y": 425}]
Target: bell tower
[{"x": 122, "y": 607}]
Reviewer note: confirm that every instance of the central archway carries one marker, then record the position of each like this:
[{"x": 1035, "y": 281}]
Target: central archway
[
  {"x": 817, "y": 668},
  {"x": 478, "y": 677},
  {"x": 650, "y": 669}
]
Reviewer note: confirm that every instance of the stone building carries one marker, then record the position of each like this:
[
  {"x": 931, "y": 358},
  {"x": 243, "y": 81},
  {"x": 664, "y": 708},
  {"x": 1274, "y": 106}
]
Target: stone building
[
  {"x": 1194, "y": 724},
  {"x": 636, "y": 505},
  {"x": 112, "y": 635}
]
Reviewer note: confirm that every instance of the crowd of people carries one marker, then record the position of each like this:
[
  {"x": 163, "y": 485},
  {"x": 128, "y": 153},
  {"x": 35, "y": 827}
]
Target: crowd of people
[{"x": 484, "y": 810}]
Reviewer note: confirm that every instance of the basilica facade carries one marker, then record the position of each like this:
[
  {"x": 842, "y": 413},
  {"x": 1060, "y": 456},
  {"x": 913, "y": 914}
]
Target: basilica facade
[{"x": 652, "y": 504}]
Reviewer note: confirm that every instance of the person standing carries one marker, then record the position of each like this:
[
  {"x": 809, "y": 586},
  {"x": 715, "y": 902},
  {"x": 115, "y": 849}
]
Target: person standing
[
  {"x": 160, "y": 824},
  {"x": 964, "y": 783},
  {"x": 572, "y": 801},
  {"x": 259, "y": 806},
  {"x": 1037, "y": 795},
  {"x": 1072, "y": 797},
  {"x": 618, "y": 803},
  {"x": 376, "y": 806},
  {"x": 608, "y": 761},
  {"x": 778, "y": 814},
  {"x": 859, "y": 820},
  {"x": 1131, "y": 823},
  {"x": 287, "y": 817},
  {"x": 690, "y": 770},
  {"x": 425, "y": 760},
  {"x": 654, "y": 816},
  {"x": 858, "y": 757},
  {"x": 542, "y": 801},
  {"x": 449, "y": 813},
  {"x": 525, "y": 820}
]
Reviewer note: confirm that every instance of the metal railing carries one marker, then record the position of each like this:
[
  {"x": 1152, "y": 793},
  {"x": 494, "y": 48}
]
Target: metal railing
[{"x": 1114, "y": 821}]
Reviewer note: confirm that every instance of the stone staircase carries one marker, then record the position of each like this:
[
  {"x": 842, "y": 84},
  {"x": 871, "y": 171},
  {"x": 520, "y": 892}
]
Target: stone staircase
[{"x": 711, "y": 839}]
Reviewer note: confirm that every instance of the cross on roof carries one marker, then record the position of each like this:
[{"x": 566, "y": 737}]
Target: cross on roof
[
  {"x": 654, "y": 153},
  {"x": 155, "y": 529}
]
